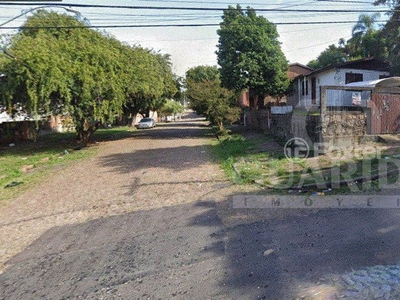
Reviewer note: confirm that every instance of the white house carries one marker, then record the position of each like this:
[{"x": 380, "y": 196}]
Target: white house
[{"x": 307, "y": 87}]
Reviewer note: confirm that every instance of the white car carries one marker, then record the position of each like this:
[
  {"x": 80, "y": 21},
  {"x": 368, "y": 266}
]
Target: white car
[{"x": 146, "y": 123}]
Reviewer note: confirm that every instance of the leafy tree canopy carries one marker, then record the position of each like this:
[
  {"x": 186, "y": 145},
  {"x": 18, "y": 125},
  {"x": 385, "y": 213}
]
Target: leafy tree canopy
[
  {"x": 249, "y": 53},
  {"x": 367, "y": 41},
  {"x": 331, "y": 56},
  {"x": 207, "y": 97},
  {"x": 390, "y": 35},
  {"x": 80, "y": 72}
]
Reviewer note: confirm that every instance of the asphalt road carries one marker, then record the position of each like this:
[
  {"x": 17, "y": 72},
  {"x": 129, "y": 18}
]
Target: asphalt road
[{"x": 202, "y": 248}]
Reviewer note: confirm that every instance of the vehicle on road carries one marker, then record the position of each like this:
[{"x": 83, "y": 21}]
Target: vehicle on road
[{"x": 146, "y": 123}]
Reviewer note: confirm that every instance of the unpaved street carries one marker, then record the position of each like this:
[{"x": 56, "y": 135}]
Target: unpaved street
[{"x": 151, "y": 217}]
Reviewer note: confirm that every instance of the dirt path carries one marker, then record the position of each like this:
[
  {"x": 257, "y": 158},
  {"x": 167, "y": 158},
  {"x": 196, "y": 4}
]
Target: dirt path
[{"x": 151, "y": 217}]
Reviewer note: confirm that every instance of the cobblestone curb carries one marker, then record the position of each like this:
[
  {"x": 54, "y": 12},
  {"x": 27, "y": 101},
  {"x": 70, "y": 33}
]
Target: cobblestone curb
[{"x": 378, "y": 282}]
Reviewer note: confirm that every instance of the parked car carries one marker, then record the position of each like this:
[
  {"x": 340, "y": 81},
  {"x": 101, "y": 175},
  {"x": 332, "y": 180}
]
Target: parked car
[{"x": 146, "y": 123}]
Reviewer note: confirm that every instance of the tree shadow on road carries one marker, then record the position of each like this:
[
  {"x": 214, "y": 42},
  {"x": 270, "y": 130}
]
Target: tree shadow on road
[
  {"x": 178, "y": 130},
  {"x": 192, "y": 251},
  {"x": 174, "y": 158},
  {"x": 287, "y": 250}
]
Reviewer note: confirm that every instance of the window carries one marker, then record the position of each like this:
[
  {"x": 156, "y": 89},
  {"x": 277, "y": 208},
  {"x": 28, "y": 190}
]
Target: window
[
  {"x": 353, "y": 77},
  {"x": 304, "y": 87}
]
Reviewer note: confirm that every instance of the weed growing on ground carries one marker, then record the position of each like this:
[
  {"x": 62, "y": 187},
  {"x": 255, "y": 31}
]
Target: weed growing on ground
[{"x": 246, "y": 162}]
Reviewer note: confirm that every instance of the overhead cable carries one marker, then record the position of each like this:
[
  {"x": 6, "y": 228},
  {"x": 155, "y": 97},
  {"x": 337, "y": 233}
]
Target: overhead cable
[{"x": 197, "y": 8}]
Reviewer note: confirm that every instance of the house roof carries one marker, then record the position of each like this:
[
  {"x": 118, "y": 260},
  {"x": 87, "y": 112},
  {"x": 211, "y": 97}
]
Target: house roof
[
  {"x": 297, "y": 69},
  {"x": 385, "y": 82},
  {"x": 360, "y": 64}
]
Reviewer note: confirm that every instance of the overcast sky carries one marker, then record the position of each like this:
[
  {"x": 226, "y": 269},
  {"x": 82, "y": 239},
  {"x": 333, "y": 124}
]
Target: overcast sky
[{"x": 196, "y": 45}]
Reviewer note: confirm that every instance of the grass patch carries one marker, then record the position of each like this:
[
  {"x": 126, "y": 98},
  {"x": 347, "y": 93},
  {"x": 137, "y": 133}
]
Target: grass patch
[
  {"x": 228, "y": 149},
  {"x": 26, "y": 163},
  {"x": 246, "y": 162}
]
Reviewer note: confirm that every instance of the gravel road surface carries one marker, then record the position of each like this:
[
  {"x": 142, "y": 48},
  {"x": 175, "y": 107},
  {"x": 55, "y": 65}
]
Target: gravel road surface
[{"x": 151, "y": 217}]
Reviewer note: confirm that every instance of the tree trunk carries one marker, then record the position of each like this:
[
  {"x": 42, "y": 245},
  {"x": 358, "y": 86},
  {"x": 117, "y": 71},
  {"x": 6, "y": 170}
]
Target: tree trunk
[
  {"x": 84, "y": 133},
  {"x": 221, "y": 126}
]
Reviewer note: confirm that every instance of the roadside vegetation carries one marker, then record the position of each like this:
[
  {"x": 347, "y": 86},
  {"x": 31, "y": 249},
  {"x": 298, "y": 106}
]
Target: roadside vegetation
[
  {"x": 24, "y": 164},
  {"x": 56, "y": 64},
  {"x": 259, "y": 159}
]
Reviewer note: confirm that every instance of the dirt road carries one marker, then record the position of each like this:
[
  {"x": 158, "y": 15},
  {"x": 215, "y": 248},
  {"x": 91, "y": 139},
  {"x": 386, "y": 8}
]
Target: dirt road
[{"x": 151, "y": 217}]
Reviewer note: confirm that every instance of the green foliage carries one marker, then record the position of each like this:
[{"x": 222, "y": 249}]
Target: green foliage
[
  {"x": 201, "y": 73},
  {"x": 171, "y": 108},
  {"x": 249, "y": 53},
  {"x": 207, "y": 97},
  {"x": 390, "y": 34},
  {"x": 81, "y": 72},
  {"x": 331, "y": 56},
  {"x": 149, "y": 81},
  {"x": 366, "y": 41}
]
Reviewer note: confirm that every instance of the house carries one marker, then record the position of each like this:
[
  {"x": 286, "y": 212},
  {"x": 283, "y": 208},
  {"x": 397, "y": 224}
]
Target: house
[
  {"x": 328, "y": 106},
  {"x": 307, "y": 87},
  {"x": 295, "y": 70},
  {"x": 378, "y": 101},
  {"x": 261, "y": 119}
]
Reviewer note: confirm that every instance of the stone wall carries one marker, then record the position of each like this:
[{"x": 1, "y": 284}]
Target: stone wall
[
  {"x": 281, "y": 126},
  {"x": 344, "y": 128}
]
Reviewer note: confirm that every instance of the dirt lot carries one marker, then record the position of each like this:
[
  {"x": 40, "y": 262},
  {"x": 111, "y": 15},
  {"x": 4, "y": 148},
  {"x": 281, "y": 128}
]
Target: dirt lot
[{"x": 151, "y": 217}]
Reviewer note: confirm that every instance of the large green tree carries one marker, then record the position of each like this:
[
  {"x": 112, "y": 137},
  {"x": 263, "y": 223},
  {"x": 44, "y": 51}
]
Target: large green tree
[
  {"x": 194, "y": 77},
  {"x": 62, "y": 66},
  {"x": 391, "y": 34},
  {"x": 249, "y": 54},
  {"x": 367, "y": 41},
  {"x": 148, "y": 81},
  {"x": 65, "y": 71},
  {"x": 206, "y": 96}
]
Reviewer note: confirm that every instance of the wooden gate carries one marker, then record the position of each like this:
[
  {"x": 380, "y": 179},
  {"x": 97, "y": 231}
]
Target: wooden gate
[{"x": 385, "y": 113}]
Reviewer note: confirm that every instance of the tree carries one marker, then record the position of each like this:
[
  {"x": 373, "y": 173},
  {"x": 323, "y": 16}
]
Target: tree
[
  {"x": 208, "y": 97},
  {"x": 366, "y": 40},
  {"x": 249, "y": 54},
  {"x": 82, "y": 73},
  {"x": 194, "y": 77},
  {"x": 148, "y": 80},
  {"x": 171, "y": 108},
  {"x": 390, "y": 33},
  {"x": 65, "y": 70},
  {"x": 330, "y": 56}
]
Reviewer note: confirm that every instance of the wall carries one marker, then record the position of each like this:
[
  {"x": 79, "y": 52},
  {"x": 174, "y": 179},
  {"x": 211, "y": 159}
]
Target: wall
[
  {"x": 258, "y": 119},
  {"x": 299, "y": 123},
  {"x": 344, "y": 128}
]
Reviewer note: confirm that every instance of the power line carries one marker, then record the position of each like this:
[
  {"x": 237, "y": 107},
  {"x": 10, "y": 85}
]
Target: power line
[
  {"x": 198, "y": 8},
  {"x": 166, "y": 25}
]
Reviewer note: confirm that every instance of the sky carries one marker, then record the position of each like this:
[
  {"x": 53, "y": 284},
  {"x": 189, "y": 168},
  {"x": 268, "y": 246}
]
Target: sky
[{"x": 188, "y": 32}]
